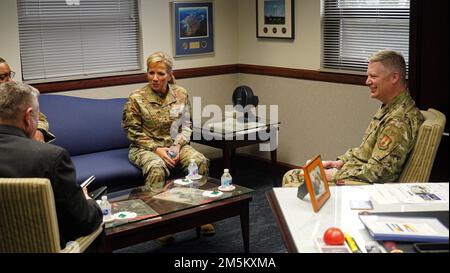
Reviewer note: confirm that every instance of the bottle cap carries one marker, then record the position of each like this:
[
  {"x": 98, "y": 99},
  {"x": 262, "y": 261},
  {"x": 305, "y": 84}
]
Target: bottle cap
[
  {"x": 104, "y": 197},
  {"x": 226, "y": 170}
]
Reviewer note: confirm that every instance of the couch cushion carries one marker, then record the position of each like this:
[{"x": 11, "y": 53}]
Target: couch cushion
[
  {"x": 84, "y": 126},
  {"x": 110, "y": 168}
]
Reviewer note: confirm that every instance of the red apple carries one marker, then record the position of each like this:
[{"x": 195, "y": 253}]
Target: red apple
[{"x": 333, "y": 236}]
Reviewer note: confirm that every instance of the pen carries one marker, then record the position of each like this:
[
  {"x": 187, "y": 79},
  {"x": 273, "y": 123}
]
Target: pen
[
  {"x": 389, "y": 226},
  {"x": 87, "y": 181},
  {"x": 352, "y": 244},
  {"x": 410, "y": 228},
  {"x": 399, "y": 228}
]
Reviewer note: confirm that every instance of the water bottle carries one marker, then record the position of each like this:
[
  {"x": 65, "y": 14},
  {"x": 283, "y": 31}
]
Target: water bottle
[
  {"x": 226, "y": 179},
  {"x": 193, "y": 169},
  {"x": 105, "y": 206},
  {"x": 173, "y": 151}
]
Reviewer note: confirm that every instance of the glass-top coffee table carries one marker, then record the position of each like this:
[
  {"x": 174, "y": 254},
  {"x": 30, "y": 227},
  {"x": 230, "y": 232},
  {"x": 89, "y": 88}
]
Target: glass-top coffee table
[{"x": 142, "y": 216}]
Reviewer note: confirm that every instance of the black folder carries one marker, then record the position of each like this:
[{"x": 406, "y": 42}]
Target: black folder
[{"x": 98, "y": 192}]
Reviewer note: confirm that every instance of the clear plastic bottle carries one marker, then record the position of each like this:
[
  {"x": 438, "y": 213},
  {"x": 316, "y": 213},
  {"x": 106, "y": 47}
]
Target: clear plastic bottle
[
  {"x": 193, "y": 169},
  {"x": 226, "y": 179},
  {"x": 173, "y": 150},
  {"x": 105, "y": 206}
]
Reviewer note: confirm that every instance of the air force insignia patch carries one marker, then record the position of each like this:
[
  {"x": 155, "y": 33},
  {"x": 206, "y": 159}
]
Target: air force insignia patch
[{"x": 384, "y": 143}]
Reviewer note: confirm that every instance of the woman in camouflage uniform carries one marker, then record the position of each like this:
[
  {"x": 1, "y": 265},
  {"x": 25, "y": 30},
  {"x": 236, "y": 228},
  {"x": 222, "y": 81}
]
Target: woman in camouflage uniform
[
  {"x": 155, "y": 117},
  {"x": 152, "y": 118}
]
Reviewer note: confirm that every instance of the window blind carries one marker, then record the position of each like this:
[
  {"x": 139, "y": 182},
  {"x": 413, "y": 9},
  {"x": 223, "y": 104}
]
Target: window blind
[
  {"x": 355, "y": 29},
  {"x": 61, "y": 38}
]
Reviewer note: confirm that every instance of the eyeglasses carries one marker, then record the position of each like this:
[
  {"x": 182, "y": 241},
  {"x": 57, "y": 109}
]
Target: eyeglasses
[{"x": 11, "y": 75}]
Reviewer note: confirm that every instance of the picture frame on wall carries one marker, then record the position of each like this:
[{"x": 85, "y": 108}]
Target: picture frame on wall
[
  {"x": 316, "y": 184},
  {"x": 275, "y": 19},
  {"x": 193, "y": 28}
]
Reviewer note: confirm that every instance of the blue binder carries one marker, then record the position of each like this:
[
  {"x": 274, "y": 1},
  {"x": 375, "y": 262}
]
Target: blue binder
[{"x": 401, "y": 234}]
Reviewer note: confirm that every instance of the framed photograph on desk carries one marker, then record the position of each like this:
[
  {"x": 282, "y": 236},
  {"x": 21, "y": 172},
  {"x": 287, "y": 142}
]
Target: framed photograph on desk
[{"x": 316, "y": 183}]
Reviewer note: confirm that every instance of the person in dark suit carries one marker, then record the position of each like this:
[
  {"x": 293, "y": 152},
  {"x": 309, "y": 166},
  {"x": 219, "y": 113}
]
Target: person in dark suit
[{"x": 22, "y": 157}]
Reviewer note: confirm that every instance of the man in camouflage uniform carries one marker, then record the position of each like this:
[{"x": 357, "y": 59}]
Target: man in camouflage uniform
[
  {"x": 42, "y": 132},
  {"x": 152, "y": 117},
  {"x": 391, "y": 134}
]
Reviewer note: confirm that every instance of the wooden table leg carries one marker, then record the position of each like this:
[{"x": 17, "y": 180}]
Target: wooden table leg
[
  {"x": 273, "y": 157},
  {"x": 245, "y": 227},
  {"x": 103, "y": 246}
]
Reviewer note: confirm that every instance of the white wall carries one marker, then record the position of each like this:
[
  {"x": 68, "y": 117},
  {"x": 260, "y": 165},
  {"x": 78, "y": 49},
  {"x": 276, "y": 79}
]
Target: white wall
[
  {"x": 156, "y": 35},
  {"x": 9, "y": 35},
  {"x": 303, "y": 52},
  {"x": 316, "y": 117},
  {"x": 156, "y": 28}
]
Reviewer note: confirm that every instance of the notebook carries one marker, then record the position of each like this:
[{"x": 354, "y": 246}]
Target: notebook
[{"x": 406, "y": 228}]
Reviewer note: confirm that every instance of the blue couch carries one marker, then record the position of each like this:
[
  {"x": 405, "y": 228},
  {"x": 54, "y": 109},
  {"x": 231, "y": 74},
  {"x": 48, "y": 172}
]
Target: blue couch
[{"x": 90, "y": 130}]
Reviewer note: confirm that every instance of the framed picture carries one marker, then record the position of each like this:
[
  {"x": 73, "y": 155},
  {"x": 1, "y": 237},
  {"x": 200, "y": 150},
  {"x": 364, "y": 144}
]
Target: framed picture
[
  {"x": 193, "y": 28},
  {"x": 275, "y": 19},
  {"x": 316, "y": 183}
]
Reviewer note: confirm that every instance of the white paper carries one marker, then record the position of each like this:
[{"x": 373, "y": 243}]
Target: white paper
[
  {"x": 404, "y": 193},
  {"x": 232, "y": 125}
]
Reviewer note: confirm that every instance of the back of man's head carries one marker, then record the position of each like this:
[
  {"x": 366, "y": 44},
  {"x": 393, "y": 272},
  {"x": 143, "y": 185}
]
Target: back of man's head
[
  {"x": 392, "y": 60},
  {"x": 15, "y": 98}
]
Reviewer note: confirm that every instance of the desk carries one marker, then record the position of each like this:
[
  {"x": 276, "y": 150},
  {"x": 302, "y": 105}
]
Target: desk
[
  {"x": 299, "y": 225},
  {"x": 230, "y": 135}
]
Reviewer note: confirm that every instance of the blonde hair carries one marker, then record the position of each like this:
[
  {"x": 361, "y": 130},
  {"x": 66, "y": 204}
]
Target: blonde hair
[
  {"x": 161, "y": 57},
  {"x": 392, "y": 60}
]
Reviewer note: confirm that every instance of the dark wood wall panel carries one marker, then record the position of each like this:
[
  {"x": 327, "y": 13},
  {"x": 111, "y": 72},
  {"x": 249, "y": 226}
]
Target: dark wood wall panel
[
  {"x": 303, "y": 74},
  {"x": 204, "y": 72},
  {"x": 132, "y": 79},
  {"x": 52, "y": 87},
  {"x": 429, "y": 68},
  {"x": 429, "y": 55}
]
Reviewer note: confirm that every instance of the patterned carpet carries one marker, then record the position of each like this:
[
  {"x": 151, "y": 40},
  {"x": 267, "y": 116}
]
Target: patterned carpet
[{"x": 264, "y": 234}]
